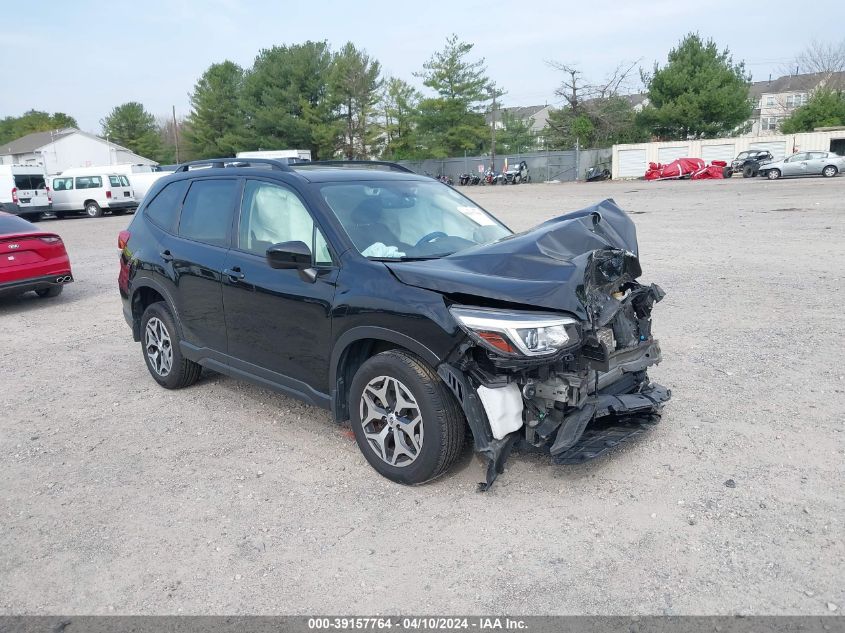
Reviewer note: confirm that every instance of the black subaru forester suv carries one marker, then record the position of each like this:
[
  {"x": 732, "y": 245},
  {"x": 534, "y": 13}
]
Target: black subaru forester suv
[{"x": 400, "y": 305}]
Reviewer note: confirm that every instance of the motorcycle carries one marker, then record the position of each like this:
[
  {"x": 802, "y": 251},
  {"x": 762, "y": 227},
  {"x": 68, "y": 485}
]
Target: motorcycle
[
  {"x": 493, "y": 178},
  {"x": 464, "y": 179},
  {"x": 446, "y": 180}
]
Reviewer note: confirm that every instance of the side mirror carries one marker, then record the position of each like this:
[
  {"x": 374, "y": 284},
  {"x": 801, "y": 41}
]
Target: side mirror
[
  {"x": 293, "y": 256},
  {"x": 289, "y": 255}
]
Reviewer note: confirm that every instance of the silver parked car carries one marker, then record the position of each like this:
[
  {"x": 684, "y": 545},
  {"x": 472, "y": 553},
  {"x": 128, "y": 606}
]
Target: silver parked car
[{"x": 805, "y": 164}]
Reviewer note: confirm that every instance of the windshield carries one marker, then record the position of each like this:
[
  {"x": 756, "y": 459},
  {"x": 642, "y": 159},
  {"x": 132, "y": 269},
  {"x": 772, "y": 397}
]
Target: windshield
[{"x": 409, "y": 219}]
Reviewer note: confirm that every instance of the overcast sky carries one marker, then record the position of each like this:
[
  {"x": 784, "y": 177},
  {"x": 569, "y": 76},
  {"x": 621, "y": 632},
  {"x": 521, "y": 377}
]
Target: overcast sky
[{"x": 87, "y": 56}]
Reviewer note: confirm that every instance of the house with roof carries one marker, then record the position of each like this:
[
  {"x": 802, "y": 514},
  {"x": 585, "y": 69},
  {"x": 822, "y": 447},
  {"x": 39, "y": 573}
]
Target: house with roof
[
  {"x": 537, "y": 116},
  {"x": 58, "y": 150},
  {"x": 776, "y": 99}
]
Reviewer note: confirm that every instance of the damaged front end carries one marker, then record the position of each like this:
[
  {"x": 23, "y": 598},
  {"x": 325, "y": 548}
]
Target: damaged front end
[{"x": 566, "y": 369}]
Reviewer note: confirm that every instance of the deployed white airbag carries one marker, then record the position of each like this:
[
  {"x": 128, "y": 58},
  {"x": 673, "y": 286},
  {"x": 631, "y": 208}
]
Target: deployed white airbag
[{"x": 503, "y": 407}]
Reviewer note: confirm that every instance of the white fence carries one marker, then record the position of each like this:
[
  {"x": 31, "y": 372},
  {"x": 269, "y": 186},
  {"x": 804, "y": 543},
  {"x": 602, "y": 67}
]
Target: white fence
[{"x": 631, "y": 161}]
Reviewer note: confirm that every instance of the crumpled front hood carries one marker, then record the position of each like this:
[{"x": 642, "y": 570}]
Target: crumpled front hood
[{"x": 570, "y": 263}]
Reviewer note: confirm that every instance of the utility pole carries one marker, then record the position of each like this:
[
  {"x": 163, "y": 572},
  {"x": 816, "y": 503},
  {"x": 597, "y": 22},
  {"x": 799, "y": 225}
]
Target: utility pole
[
  {"x": 494, "y": 93},
  {"x": 176, "y": 135}
]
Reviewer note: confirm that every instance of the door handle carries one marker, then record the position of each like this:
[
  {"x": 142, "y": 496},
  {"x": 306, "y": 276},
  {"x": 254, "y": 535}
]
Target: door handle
[
  {"x": 166, "y": 256},
  {"x": 234, "y": 274}
]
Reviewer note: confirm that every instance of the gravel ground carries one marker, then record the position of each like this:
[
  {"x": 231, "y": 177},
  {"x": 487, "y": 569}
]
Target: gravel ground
[{"x": 117, "y": 496}]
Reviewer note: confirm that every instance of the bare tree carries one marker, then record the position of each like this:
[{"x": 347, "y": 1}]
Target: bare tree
[
  {"x": 577, "y": 92},
  {"x": 822, "y": 57},
  {"x": 593, "y": 113}
]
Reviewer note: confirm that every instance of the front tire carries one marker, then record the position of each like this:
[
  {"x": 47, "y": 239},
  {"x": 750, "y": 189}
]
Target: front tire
[
  {"x": 829, "y": 172},
  {"x": 93, "y": 210},
  {"x": 773, "y": 174},
  {"x": 160, "y": 346},
  {"x": 407, "y": 423}
]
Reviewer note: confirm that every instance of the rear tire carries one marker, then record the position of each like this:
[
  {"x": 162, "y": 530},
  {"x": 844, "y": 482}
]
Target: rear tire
[
  {"x": 92, "y": 209},
  {"x": 727, "y": 172},
  {"x": 420, "y": 452},
  {"x": 160, "y": 348},
  {"x": 830, "y": 171},
  {"x": 52, "y": 291},
  {"x": 773, "y": 174}
]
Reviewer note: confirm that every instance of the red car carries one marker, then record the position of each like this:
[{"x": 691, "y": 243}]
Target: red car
[{"x": 31, "y": 259}]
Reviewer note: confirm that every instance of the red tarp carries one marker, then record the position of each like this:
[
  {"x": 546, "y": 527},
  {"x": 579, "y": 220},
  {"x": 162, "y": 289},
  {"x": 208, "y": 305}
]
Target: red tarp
[{"x": 692, "y": 168}]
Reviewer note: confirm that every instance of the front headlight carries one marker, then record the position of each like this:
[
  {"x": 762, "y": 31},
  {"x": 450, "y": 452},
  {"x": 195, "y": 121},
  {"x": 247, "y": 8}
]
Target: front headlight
[{"x": 518, "y": 333}]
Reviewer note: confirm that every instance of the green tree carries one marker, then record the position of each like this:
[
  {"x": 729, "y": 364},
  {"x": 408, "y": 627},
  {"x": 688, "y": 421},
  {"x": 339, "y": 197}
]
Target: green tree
[
  {"x": 355, "y": 81},
  {"x": 600, "y": 122},
  {"x": 452, "y": 122},
  {"x": 12, "y": 127},
  {"x": 133, "y": 127},
  {"x": 286, "y": 101},
  {"x": 826, "y": 108},
  {"x": 215, "y": 124},
  {"x": 699, "y": 93},
  {"x": 400, "y": 112}
]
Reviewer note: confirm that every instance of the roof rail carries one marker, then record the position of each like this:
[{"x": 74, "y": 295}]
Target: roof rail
[
  {"x": 359, "y": 163},
  {"x": 220, "y": 163}
]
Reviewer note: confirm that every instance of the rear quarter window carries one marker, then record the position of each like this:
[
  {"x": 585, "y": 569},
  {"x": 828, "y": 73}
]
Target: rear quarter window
[
  {"x": 114, "y": 181},
  {"x": 62, "y": 184},
  {"x": 163, "y": 210}
]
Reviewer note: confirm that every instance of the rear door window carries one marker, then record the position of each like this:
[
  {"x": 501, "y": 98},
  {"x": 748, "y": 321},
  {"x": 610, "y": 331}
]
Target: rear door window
[
  {"x": 29, "y": 181},
  {"x": 89, "y": 182},
  {"x": 208, "y": 211},
  {"x": 163, "y": 210}
]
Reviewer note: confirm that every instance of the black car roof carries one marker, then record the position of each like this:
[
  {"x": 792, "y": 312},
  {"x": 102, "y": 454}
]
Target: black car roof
[
  {"x": 308, "y": 172},
  {"x": 346, "y": 174}
]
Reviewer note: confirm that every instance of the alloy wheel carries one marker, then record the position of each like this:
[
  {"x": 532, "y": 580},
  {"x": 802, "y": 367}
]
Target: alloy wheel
[
  {"x": 158, "y": 346},
  {"x": 392, "y": 421}
]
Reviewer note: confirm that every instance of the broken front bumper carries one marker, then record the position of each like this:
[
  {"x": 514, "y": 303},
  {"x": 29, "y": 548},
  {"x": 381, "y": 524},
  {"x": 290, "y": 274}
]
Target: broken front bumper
[{"x": 574, "y": 416}]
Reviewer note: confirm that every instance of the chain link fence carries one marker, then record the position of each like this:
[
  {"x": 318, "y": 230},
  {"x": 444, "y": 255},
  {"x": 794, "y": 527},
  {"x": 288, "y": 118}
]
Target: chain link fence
[{"x": 566, "y": 165}]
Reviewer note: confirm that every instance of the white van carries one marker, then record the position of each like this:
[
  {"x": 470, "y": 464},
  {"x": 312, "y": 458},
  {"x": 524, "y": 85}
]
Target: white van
[
  {"x": 299, "y": 155},
  {"x": 92, "y": 194},
  {"x": 23, "y": 191},
  {"x": 142, "y": 181}
]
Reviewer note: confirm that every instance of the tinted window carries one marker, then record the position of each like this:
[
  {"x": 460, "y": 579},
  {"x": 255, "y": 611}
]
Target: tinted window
[
  {"x": 271, "y": 214},
  {"x": 114, "y": 181},
  {"x": 163, "y": 210},
  {"x": 29, "y": 181},
  {"x": 89, "y": 182},
  {"x": 207, "y": 211},
  {"x": 124, "y": 181},
  {"x": 62, "y": 184}
]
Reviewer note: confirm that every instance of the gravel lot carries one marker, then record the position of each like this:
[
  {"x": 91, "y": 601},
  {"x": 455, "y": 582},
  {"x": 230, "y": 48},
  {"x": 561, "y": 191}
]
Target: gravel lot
[{"x": 117, "y": 496}]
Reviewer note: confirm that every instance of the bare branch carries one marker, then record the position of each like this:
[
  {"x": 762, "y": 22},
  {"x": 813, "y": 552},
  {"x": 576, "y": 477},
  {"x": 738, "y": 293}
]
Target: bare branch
[{"x": 822, "y": 57}]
